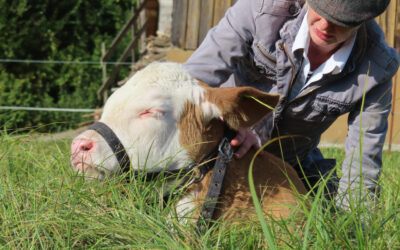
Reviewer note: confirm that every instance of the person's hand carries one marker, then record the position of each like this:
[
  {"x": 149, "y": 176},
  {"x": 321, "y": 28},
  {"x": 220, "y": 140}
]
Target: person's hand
[{"x": 245, "y": 139}]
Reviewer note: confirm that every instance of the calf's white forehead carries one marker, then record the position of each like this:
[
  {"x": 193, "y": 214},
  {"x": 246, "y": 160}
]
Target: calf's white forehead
[
  {"x": 157, "y": 85},
  {"x": 170, "y": 75}
]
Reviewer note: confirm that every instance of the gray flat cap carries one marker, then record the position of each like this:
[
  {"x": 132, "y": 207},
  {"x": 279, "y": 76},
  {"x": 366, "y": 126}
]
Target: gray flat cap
[{"x": 348, "y": 13}]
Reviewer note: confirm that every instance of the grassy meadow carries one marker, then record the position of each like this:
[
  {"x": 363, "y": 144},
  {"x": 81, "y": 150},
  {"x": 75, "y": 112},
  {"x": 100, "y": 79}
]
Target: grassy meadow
[{"x": 44, "y": 204}]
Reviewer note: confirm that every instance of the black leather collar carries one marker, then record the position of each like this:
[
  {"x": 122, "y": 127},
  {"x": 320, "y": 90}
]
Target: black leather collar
[
  {"x": 125, "y": 164},
  {"x": 225, "y": 153},
  {"x": 115, "y": 144}
]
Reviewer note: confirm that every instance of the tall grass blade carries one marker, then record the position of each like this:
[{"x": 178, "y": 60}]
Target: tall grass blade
[{"x": 267, "y": 231}]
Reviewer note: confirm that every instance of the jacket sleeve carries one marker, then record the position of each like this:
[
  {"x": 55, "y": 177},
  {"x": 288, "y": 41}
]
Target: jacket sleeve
[
  {"x": 368, "y": 125},
  {"x": 214, "y": 61}
]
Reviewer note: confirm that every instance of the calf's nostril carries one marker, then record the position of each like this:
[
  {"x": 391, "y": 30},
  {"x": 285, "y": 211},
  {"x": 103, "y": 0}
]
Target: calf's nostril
[
  {"x": 86, "y": 146},
  {"x": 80, "y": 145}
]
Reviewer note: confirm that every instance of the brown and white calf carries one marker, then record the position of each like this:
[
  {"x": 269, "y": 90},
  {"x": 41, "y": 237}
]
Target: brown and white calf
[{"x": 164, "y": 113}]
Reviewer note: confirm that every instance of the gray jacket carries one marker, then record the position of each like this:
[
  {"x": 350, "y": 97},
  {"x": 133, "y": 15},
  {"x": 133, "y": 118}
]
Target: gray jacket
[{"x": 252, "y": 45}]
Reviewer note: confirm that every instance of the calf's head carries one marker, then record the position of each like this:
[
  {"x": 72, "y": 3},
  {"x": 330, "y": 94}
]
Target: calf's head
[{"x": 166, "y": 119}]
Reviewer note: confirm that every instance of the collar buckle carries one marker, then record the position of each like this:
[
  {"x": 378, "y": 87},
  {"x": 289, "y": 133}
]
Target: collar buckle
[{"x": 225, "y": 148}]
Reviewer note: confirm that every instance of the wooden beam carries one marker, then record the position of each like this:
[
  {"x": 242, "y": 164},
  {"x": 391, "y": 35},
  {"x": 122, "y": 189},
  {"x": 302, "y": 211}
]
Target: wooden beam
[
  {"x": 193, "y": 24},
  {"x": 393, "y": 38},
  {"x": 179, "y": 22},
  {"x": 391, "y": 23},
  {"x": 113, "y": 75},
  {"x": 206, "y": 18},
  {"x": 220, "y": 7},
  {"x": 125, "y": 29}
]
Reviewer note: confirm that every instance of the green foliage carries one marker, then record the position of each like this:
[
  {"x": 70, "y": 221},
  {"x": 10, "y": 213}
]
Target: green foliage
[{"x": 54, "y": 30}]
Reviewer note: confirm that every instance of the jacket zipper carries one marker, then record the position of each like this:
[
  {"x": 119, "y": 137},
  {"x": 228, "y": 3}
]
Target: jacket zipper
[
  {"x": 308, "y": 92},
  {"x": 270, "y": 58},
  {"x": 283, "y": 47}
]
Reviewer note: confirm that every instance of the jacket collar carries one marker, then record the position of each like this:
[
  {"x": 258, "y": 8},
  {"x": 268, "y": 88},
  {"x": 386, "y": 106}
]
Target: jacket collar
[{"x": 290, "y": 29}]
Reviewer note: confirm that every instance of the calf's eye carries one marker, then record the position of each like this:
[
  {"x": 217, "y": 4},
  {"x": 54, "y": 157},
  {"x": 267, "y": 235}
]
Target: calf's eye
[{"x": 151, "y": 112}]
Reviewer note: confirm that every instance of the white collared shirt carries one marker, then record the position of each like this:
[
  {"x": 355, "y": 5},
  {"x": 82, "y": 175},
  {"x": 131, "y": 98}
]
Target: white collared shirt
[{"x": 334, "y": 65}]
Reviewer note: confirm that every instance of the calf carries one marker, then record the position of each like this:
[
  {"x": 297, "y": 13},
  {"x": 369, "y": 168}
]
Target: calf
[{"x": 164, "y": 113}]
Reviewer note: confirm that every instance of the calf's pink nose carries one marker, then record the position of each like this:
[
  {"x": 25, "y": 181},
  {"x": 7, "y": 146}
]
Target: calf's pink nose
[{"x": 81, "y": 145}]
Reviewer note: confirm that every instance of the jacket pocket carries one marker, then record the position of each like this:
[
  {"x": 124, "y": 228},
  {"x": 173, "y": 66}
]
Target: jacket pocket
[
  {"x": 264, "y": 61},
  {"x": 321, "y": 109}
]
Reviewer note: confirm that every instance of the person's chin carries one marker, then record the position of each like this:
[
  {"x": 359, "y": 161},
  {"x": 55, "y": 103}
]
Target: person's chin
[{"x": 322, "y": 42}]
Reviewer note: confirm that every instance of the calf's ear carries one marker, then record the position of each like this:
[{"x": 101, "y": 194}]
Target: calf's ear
[{"x": 242, "y": 107}]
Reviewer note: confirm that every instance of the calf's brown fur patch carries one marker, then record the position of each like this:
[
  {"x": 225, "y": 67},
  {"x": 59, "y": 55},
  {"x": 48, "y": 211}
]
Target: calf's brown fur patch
[{"x": 276, "y": 182}]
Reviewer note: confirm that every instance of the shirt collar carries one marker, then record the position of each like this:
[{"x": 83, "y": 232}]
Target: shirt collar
[
  {"x": 302, "y": 39},
  {"x": 338, "y": 60}
]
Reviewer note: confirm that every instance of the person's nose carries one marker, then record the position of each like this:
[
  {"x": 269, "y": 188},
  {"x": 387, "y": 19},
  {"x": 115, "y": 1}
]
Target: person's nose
[{"x": 324, "y": 25}]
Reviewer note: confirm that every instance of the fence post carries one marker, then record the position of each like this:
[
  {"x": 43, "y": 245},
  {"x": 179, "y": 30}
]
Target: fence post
[
  {"x": 134, "y": 28},
  {"x": 103, "y": 68},
  {"x": 142, "y": 20}
]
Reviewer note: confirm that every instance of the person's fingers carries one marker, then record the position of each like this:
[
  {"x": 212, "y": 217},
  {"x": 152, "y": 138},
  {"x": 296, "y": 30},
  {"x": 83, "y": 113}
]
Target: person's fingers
[
  {"x": 239, "y": 138},
  {"x": 244, "y": 147},
  {"x": 257, "y": 144},
  {"x": 245, "y": 139}
]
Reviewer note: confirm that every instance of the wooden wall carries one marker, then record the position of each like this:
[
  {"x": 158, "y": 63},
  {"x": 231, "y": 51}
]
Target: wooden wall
[{"x": 191, "y": 20}]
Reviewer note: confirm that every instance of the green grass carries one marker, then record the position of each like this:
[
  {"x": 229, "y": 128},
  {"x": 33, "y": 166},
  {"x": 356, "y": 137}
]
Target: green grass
[{"x": 43, "y": 204}]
